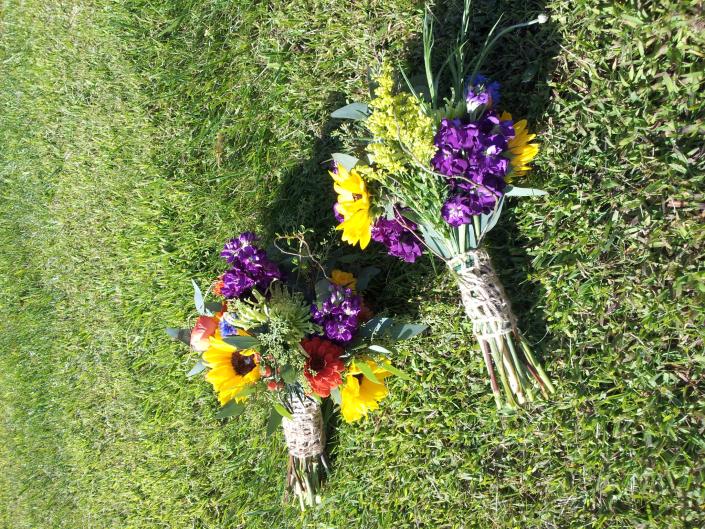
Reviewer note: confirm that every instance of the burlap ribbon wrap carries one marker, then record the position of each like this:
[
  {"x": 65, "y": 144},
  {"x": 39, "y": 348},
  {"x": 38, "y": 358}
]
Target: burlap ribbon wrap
[
  {"x": 304, "y": 432},
  {"x": 485, "y": 301}
]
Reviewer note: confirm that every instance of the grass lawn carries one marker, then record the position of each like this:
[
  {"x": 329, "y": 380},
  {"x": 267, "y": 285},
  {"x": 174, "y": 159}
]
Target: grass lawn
[{"x": 136, "y": 136}]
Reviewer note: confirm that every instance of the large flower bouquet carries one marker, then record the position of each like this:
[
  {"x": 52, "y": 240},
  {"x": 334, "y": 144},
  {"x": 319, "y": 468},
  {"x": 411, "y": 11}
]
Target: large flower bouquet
[
  {"x": 292, "y": 334},
  {"x": 436, "y": 177}
]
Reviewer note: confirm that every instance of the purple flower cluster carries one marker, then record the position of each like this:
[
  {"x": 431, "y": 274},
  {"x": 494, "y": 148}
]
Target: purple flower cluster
[
  {"x": 250, "y": 267},
  {"x": 470, "y": 154},
  {"x": 399, "y": 238},
  {"x": 481, "y": 91},
  {"x": 338, "y": 315}
]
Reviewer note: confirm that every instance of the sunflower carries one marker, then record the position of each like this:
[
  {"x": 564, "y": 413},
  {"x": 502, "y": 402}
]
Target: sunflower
[
  {"x": 353, "y": 205},
  {"x": 231, "y": 370},
  {"x": 360, "y": 395},
  {"x": 522, "y": 152}
]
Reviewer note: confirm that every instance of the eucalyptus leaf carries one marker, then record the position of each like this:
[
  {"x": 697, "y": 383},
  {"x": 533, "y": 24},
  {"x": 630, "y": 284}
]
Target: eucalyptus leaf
[
  {"x": 195, "y": 370},
  {"x": 231, "y": 409},
  {"x": 396, "y": 371},
  {"x": 512, "y": 191},
  {"x": 375, "y": 326},
  {"x": 281, "y": 410},
  {"x": 365, "y": 276},
  {"x": 242, "y": 342},
  {"x": 345, "y": 160},
  {"x": 356, "y": 111},
  {"x": 214, "y": 306},
  {"x": 273, "y": 422},
  {"x": 380, "y": 349},
  {"x": 366, "y": 370},
  {"x": 336, "y": 396},
  {"x": 322, "y": 290},
  {"x": 181, "y": 335},
  {"x": 198, "y": 300},
  {"x": 245, "y": 392},
  {"x": 404, "y": 331}
]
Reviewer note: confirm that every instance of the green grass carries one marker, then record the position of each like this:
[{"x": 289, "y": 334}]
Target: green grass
[{"x": 137, "y": 135}]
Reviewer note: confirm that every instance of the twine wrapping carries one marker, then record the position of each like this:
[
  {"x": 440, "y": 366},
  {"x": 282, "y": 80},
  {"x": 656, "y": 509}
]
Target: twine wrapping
[
  {"x": 485, "y": 301},
  {"x": 304, "y": 432}
]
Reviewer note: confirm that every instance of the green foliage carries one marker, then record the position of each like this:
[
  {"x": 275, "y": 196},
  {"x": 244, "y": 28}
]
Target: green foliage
[{"x": 137, "y": 136}]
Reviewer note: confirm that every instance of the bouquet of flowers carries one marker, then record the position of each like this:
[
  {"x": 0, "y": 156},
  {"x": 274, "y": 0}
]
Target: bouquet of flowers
[
  {"x": 436, "y": 177},
  {"x": 292, "y": 335}
]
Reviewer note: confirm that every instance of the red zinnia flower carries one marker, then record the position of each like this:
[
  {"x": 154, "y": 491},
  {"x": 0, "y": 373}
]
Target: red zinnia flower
[{"x": 323, "y": 367}]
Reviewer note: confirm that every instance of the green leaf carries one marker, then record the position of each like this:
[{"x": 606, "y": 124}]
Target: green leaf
[
  {"x": 288, "y": 374},
  {"x": 181, "y": 335},
  {"x": 213, "y": 306},
  {"x": 404, "y": 331},
  {"x": 195, "y": 370},
  {"x": 198, "y": 300},
  {"x": 380, "y": 349},
  {"x": 281, "y": 410},
  {"x": 487, "y": 222},
  {"x": 366, "y": 370},
  {"x": 242, "y": 342},
  {"x": 273, "y": 422},
  {"x": 396, "y": 371},
  {"x": 356, "y": 111},
  {"x": 345, "y": 160},
  {"x": 365, "y": 276},
  {"x": 336, "y": 396},
  {"x": 231, "y": 409},
  {"x": 512, "y": 191},
  {"x": 245, "y": 392},
  {"x": 322, "y": 290},
  {"x": 374, "y": 326}
]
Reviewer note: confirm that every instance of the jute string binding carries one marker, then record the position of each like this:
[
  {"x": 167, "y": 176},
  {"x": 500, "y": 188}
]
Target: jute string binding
[
  {"x": 304, "y": 431},
  {"x": 485, "y": 301}
]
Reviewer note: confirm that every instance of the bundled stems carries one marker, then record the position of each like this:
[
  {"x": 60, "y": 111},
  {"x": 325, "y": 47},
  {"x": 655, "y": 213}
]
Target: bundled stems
[
  {"x": 507, "y": 355},
  {"x": 305, "y": 441}
]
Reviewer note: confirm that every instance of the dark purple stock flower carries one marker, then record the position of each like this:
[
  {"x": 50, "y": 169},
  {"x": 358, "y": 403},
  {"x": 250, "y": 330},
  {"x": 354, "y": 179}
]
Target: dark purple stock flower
[
  {"x": 338, "y": 315},
  {"x": 250, "y": 267},
  {"x": 398, "y": 237},
  {"x": 471, "y": 155}
]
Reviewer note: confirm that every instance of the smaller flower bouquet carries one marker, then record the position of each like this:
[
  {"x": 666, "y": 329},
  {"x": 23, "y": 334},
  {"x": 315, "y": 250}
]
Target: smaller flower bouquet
[
  {"x": 439, "y": 165},
  {"x": 292, "y": 335}
]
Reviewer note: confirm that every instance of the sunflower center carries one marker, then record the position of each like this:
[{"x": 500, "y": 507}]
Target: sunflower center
[{"x": 242, "y": 364}]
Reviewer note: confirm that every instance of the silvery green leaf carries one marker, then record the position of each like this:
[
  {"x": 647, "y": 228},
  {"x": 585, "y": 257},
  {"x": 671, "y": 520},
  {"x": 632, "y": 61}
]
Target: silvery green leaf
[
  {"x": 375, "y": 326},
  {"x": 198, "y": 300},
  {"x": 335, "y": 395},
  {"x": 231, "y": 409},
  {"x": 396, "y": 371},
  {"x": 182, "y": 335},
  {"x": 242, "y": 342},
  {"x": 365, "y": 275},
  {"x": 345, "y": 160},
  {"x": 273, "y": 422},
  {"x": 404, "y": 331},
  {"x": 214, "y": 306},
  {"x": 366, "y": 370},
  {"x": 195, "y": 370},
  {"x": 380, "y": 349},
  {"x": 355, "y": 111},
  {"x": 512, "y": 191},
  {"x": 281, "y": 410},
  {"x": 322, "y": 290}
]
